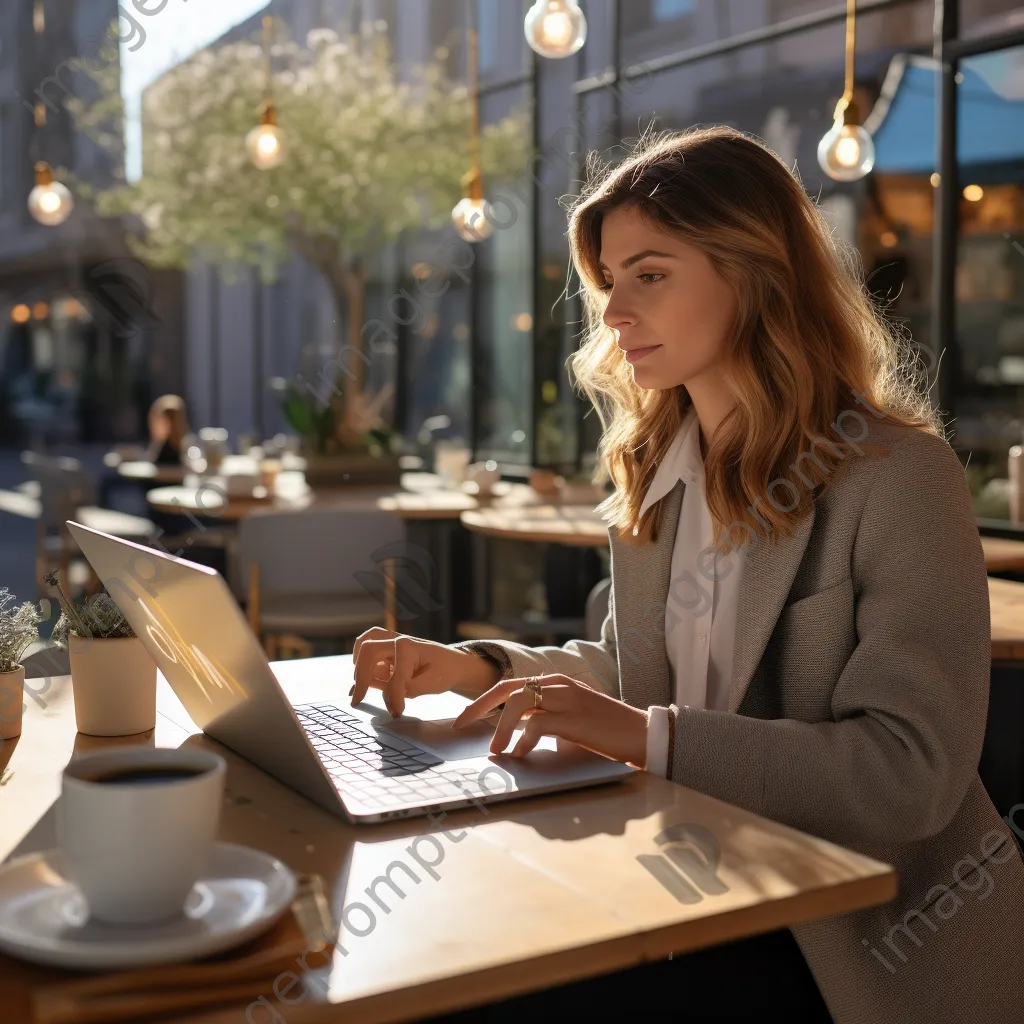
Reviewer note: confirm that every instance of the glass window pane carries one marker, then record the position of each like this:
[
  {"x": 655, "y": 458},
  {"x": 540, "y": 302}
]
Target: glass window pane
[
  {"x": 984, "y": 17},
  {"x": 988, "y": 366},
  {"x": 503, "y": 376},
  {"x": 557, "y": 408},
  {"x": 596, "y": 54},
  {"x": 504, "y": 51},
  {"x": 651, "y": 28},
  {"x": 431, "y": 322}
]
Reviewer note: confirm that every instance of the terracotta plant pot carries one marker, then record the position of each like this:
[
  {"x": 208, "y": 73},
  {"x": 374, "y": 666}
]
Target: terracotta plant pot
[
  {"x": 114, "y": 685},
  {"x": 12, "y": 702}
]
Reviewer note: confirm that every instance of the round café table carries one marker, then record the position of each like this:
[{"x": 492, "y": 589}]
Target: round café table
[
  {"x": 573, "y": 525},
  {"x": 569, "y": 525},
  {"x": 430, "y": 510},
  {"x": 158, "y": 473},
  {"x": 209, "y": 498},
  {"x": 1003, "y": 554}
]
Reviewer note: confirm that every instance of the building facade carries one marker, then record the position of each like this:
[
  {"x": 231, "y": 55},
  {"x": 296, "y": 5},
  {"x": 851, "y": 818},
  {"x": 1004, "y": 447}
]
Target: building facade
[
  {"x": 88, "y": 333},
  {"x": 486, "y": 361}
]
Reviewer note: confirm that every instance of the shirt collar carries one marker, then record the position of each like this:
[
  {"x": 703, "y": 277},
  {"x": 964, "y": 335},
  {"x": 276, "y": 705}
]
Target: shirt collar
[{"x": 682, "y": 461}]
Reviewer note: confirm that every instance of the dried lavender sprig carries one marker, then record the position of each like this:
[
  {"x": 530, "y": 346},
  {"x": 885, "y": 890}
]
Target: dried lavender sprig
[
  {"x": 52, "y": 580},
  {"x": 18, "y": 631}
]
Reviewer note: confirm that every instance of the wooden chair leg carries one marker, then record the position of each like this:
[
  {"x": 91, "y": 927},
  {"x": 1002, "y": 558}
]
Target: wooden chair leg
[
  {"x": 252, "y": 603},
  {"x": 270, "y": 646},
  {"x": 390, "y": 597}
]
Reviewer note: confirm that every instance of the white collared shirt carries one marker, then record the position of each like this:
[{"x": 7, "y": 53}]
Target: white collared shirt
[{"x": 700, "y": 613}]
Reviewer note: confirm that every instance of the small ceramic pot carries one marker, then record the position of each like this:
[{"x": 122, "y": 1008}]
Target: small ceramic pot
[
  {"x": 12, "y": 702},
  {"x": 114, "y": 685}
]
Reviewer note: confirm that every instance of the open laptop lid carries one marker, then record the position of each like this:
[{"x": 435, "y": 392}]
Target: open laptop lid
[{"x": 189, "y": 621}]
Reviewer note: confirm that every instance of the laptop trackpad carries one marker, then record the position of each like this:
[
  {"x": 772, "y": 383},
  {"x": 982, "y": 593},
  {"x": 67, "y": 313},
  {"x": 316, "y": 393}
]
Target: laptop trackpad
[{"x": 439, "y": 738}]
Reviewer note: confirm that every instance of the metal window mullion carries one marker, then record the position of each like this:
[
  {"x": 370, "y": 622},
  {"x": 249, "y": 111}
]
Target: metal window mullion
[
  {"x": 792, "y": 27},
  {"x": 535, "y": 200},
  {"x": 958, "y": 49},
  {"x": 944, "y": 241},
  {"x": 573, "y": 304}
]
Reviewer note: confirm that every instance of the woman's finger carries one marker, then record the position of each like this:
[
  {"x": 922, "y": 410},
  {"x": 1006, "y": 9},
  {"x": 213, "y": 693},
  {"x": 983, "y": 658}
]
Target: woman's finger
[
  {"x": 404, "y": 665},
  {"x": 518, "y": 704},
  {"x": 487, "y": 702},
  {"x": 537, "y": 727},
  {"x": 374, "y": 667},
  {"x": 373, "y": 633}
]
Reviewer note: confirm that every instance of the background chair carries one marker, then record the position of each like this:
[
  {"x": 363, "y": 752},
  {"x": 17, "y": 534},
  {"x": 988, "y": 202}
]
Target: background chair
[
  {"x": 319, "y": 573},
  {"x": 66, "y": 490}
]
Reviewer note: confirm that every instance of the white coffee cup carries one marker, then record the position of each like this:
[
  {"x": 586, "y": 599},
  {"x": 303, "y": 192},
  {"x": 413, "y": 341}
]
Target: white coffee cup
[
  {"x": 137, "y": 826},
  {"x": 451, "y": 460},
  {"x": 484, "y": 474}
]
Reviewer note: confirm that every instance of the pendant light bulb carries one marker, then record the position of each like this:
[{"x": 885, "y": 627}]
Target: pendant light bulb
[
  {"x": 470, "y": 220},
  {"x": 50, "y": 202},
  {"x": 846, "y": 151},
  {"x": 471, "y": 215},
  {"x": 555, "y": 28},
  {"x": 264, "y": 141}
]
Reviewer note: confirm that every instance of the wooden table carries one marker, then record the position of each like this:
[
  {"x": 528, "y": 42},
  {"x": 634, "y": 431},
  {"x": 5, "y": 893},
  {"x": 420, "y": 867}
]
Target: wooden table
[
  {"x": 531, "y": 893},
  {"x": 158, "y": 473},
  {"x": 208, "y": 498},
  {"x": 1006, "y": 605},
  {"x": 429, "y": 507},
  {"x": 419, "y": 495},
  {"x": 1002, "y": 554},
  {"x": 543, "y": 522},
  {"x": 574, "y": 525},
  {"x": 1002, "y": 756}
]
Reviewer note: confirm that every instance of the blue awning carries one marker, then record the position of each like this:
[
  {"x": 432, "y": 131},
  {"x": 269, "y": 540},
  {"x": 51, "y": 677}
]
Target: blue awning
[{"x": 904, "y": 121}]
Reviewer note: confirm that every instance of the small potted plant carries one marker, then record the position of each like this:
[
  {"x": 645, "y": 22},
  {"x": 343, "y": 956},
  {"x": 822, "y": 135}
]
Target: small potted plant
[
  {"x": 19, "y": 629},
  {"x": 113, "y": 678}
]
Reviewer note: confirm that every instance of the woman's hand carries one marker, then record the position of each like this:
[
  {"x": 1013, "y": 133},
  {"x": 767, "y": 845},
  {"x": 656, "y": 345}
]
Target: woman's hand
[
  {"x": 405, "y": 666},
  {"x": 568, "y": 709}
]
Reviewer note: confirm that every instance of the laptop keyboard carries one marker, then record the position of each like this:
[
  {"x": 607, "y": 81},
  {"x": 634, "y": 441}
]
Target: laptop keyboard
[{"x": 384, "y": 768}]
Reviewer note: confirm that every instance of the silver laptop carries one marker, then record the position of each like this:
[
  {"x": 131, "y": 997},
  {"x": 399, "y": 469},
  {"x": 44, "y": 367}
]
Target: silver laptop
[{"x": 356, "y": 761}]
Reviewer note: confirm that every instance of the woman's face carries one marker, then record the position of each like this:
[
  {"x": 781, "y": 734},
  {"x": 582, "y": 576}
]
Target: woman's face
[
  {"x": 159, "y": 425},
  {"x": 671, "y": 311}
]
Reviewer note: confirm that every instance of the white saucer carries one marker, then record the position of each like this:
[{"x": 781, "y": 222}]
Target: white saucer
[{"x": 43, "y": 916}]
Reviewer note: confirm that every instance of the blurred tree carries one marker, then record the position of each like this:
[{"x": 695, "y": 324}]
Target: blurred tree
[{"x": 365, "y": 157}]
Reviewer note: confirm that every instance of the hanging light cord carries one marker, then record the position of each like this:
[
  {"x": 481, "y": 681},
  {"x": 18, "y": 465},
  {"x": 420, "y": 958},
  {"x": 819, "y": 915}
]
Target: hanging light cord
[
  {"x": 39, "y": 112},
  {"x": 851, "y": 36},
  {"x": 474, "y": 94},
  {"x": 268, "y": 96}
]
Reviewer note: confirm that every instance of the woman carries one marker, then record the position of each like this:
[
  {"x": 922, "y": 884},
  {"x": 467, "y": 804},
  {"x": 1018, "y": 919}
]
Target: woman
[
  {"x": 799, "y": 612},
  {"x": 168, "y": 428}
]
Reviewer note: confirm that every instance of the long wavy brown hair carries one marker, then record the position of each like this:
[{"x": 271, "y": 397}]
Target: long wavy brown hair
[{"x": 807, "y": 338}]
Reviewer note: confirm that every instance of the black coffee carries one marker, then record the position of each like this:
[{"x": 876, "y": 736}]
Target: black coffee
[{"x": 143, "y": 776}]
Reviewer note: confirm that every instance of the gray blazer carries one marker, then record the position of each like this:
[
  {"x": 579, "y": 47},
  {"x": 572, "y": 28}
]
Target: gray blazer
[{"x": 857, "y": 711}]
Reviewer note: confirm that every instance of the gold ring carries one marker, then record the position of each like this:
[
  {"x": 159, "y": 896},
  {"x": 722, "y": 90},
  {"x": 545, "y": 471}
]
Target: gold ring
[{"x": 534, "y": 687}]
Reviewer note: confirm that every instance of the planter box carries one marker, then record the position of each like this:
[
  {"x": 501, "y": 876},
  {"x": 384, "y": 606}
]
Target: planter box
[{"x": 356, "y": 468}]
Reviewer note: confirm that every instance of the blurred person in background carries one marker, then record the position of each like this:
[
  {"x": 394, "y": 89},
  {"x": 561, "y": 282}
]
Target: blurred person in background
[{"x": 168, "y": 428}]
